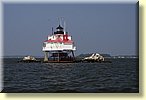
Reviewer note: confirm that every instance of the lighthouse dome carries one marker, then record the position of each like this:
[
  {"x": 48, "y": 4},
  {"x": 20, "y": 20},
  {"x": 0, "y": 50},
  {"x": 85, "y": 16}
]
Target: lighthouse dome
[
  {"x": 59, "y": 30},
  {"x": 59, "y": 27}
]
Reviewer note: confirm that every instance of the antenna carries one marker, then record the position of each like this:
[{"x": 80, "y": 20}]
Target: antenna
[
  {"x": 60, "y": 19},
  {"x": 64, "y": 28},
  {"x": 52, "y": 30}
]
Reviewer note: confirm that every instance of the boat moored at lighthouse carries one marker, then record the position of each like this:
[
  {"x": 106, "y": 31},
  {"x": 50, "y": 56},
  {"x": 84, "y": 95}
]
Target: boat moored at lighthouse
[{"x": 59, "y": 46}]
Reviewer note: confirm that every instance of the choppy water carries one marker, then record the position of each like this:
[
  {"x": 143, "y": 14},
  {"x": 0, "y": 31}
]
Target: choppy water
[{"x": 119, "y": 76}]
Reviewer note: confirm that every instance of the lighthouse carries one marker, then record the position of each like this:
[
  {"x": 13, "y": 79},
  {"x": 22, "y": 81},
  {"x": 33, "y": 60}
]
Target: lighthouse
[{"x": 59, "y": 46}]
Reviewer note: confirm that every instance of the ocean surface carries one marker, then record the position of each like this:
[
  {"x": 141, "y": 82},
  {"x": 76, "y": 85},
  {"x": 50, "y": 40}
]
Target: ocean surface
[{"x": 120, "y": 76}]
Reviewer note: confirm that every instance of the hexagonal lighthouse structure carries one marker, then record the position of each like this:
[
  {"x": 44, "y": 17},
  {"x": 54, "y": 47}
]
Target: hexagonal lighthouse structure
[{"x": 59, "y": 47}]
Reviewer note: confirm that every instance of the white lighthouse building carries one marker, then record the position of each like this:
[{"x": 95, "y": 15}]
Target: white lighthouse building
[{"x": 59, "y": 47}]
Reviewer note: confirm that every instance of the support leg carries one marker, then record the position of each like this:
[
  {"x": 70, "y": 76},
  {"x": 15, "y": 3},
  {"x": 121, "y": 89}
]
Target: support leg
[
  {"x": 58, "y": 57},
  {"x": 46, "y": 57},
  {"x": 73, "y": 55}
]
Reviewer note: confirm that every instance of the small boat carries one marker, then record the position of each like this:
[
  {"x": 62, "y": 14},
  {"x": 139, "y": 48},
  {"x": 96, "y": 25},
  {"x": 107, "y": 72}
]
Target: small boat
[
  {"x": 95, "y": 57},
  {"x": 29, "y": 59}
]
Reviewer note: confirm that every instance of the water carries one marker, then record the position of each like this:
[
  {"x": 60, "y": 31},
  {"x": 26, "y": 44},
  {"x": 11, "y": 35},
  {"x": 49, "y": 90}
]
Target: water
[{"x": 120, "y": 76}]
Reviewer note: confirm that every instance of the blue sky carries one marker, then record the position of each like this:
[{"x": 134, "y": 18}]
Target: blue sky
[{"x": 102, "y": 28}]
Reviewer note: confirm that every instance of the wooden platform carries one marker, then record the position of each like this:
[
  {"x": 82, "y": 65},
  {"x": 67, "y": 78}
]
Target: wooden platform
[
  {"x": 58, "y": 62},
  {"x": 75, "y": 61},
  {"x": 78, "y": 61}
]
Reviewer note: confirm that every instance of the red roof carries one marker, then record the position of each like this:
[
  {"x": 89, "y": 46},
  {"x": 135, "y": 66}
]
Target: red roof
[
  {"x": 65, "y": 40},
  {"x": 59, "y": 40}
]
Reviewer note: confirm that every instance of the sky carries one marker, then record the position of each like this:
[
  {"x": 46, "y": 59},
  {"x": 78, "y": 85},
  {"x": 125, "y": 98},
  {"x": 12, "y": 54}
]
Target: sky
[{"x": 103, "y": 28}]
